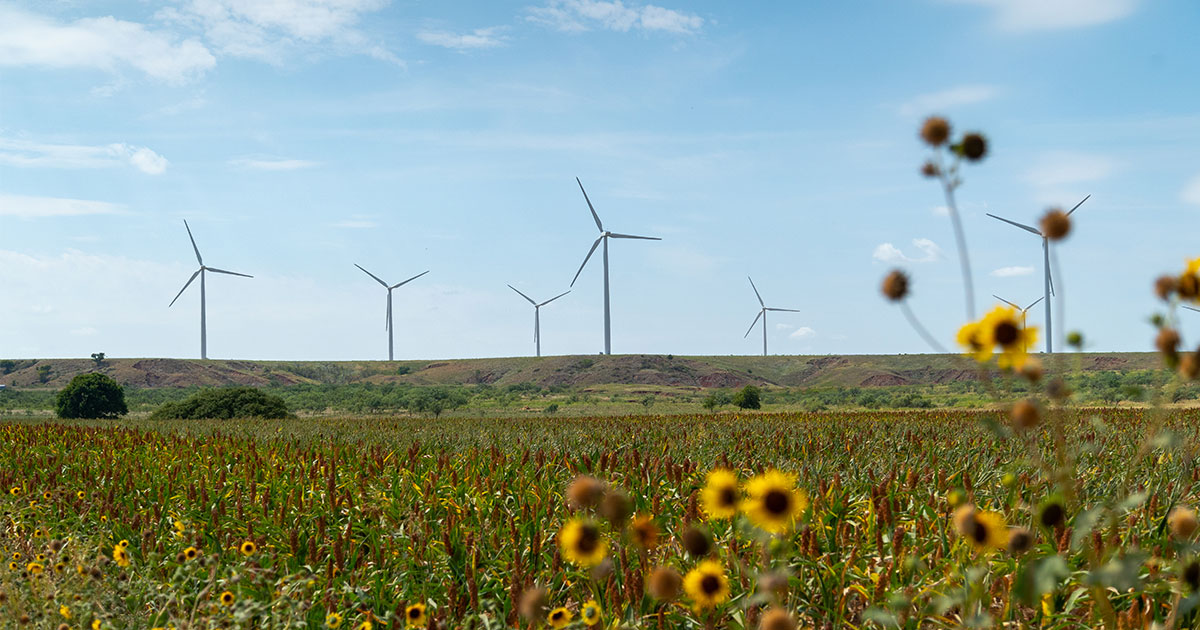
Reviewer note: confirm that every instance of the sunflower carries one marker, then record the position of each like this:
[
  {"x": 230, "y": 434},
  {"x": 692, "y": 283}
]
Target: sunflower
[
  {"x": 720, "y": 496},
  {"x": 123, "y": 544},
  {"x": 645, "y": 532},
  {"x": 39, "y": 533},
  {"x": 558, "y": 618},
  {"x": 365, "y": 625},
  {"x": 707, "y": 584},
  {"x": 46, "y": 495},
  {"x": 414, "y": 616},
  {"x": 190, "y": 553},
  {"x": 95, "y": 624},
  {"x": 15, "y": 491},
  {"x": 772, "y": 501},
  {"x": 226, "y": 598},
  {"x": 65, "y": 611},
  {"x": 1006, "y": 332},
  {"x": 581, "y": 542},
  {"x": 120, "y": 556},
  {"x": 60, "y": 567},
  {"x": 333, "y": 620},
  {"x": 80, "y": 494},
  {"x": 248, "y": 548},
  {"x": 34, "y": 568},
  {"x": 972, "y": 337},
  {"x": 986, "y": 531},
  {"x": 590, "y": 613}
]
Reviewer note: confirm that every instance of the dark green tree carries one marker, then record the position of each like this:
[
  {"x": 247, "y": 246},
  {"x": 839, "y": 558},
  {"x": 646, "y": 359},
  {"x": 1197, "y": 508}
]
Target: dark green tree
[
  {"x": 98, "y": 357},
  {"x": 91, "y": 395},
  {"x": 748, "y": 397},
  {"x": 43, "y": 372},
  {"x": 224, "y": 403}
]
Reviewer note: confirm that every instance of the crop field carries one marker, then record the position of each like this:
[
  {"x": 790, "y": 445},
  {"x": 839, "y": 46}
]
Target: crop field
[{"x": 842, "y": 519}]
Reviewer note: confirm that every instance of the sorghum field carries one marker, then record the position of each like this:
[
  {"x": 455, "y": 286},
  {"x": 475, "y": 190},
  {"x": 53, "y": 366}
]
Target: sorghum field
[{"x": 909, "y": 519}]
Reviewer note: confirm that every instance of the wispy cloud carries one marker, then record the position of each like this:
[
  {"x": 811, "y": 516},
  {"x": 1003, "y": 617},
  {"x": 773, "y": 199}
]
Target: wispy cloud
[
  {"x": 28, "y": 207},
  {"x": 476, "y": 39},
  {"x": 1191, "y": 191},
  {"x": 584, "y": 15},
  {"x": 1057, "y": 176},
  {"x": 271, "y": 164},
  {"x": 888, "y": 253},
  {"x": 1011, "y": 272},
  {"x": 26, "y": 153},
  {"x": 105, "y": 43},
  {"x": 950, "y": 98},
  {"x": 1040, "y": 15},
  {"x": 803, "y": 332}
]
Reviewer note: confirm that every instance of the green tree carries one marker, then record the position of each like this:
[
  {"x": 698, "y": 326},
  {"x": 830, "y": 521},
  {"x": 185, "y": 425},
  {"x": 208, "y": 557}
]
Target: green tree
[
  {"x": 98, "y": 357},
  {"x": 748, "y": 397},
  {"x": 43, "y": 373},
  {"x": 715, "y": 399},
  {"x": 7, "y": 366},
  {"x": 224, "y": 403},
  {"x": 435, "y": 400},
  {"x": 91, "y": 395}
]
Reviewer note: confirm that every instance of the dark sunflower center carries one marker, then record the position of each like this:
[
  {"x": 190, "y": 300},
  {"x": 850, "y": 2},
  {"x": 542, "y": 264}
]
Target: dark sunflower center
[
  {"x": 556, "y": 615},
  {"x": 415, "y": 613},
  {"x": 1006, "y": 333},
  {"x": 728, "y": 496},
  {"x": 1052, "y": 515},
  {"x": 777, "y": 502},
  {"x": 589, "y": 539},
  {"x": 978, "y": 531},
  {"x": 710, "y": 585}
]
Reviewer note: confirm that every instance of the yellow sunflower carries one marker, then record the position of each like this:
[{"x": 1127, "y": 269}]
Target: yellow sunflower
[
  {"x": 973, "y": 338},
  {"x": 333, "y": 620},
  {"x": 590, "y": 613},
  {"x": 1004, "y": 329},
  {"x": 365, "y": 625},
  {"x": 773, "y": 503},
  {"x": 414, "y": 616},
  {"x": 34, "y": 568},
  {"x": 559, "y": 618},
  {"x": 226, "y": 598},
  {"x": 581, "y": 542},
  {"x": 986, "y": 531},
  {"x": 248, "y": 548},
  {"x": 190, "y": 553},
  {"x": 707, "y": 584},
  {"x": 720, "y": 496},
  {"x": 120, "y": 556}
]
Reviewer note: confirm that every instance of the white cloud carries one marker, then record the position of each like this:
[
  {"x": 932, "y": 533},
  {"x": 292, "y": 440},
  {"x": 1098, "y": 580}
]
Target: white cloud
[
  {"x": 27, "y": 207},
  {"x": 479, "y": 38},
  {"x": 803, "y": 332},
  {"x": 105, "y": 43},
  {"x": 1191, "y": 191},
  {"x": 888, "y": 253},
  {"x": 269, "y": 164},
  {"x": 1058, "y": 176},
  {"x": 940, "y": 102},
  {"x": 1011, "y": 272},
  {"x": 583, "y": 15},
  {"x": 1042, "y": 15},
  {"x": 35, "y": 154},
  {"x": 267, "y": 30},
  {"x": 941, "y": 211}
]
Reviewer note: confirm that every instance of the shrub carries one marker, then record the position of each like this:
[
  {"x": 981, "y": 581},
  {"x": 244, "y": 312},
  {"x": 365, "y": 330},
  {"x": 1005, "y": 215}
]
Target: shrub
[
  {"x": 224, "y": 403},
  {"x": 43, "y": 372},
  {"x": 748, "y": 397},
  {"x": 91, "y": 396},
  {"x": 715, "y": 399}
]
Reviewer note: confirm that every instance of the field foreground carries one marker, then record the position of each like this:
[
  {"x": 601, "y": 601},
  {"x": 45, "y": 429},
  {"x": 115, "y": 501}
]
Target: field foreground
[{"x": 448, "y": 524}]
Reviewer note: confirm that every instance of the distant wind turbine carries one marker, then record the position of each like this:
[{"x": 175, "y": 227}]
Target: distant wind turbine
[
  {"x": 537, "y": 316},
  {"x": 604, "y": 236},
  {"x": 1049, "y": 283},
  {"x": 763, "y": 314},
  {"x": 1024, "y": 311},
  {"x": 200, "y": 272},
  {"x": 388, "y": 324}
]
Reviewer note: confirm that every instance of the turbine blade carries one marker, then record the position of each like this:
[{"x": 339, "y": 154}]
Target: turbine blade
[
  {"x": 786, "y": 310},
  {"x": 396, "y": 286},
  {"x": 756, "y": 294},
  {"x": 1034, "y": 303},
  {"x": 585, "y": 260},
  {"x": 371, "y": 274},
  {"x": 232, "y": 273},
  {"x": 640, "y": 238},
  {"x": 1020, "y": 225},
  {"x": 599, "y": 225},
  {"x": 194, "y": 248},
  {"x": 1006, "y": 301},
  {"x": 1051, "y": 274},
  {"x": 751, "y": 328},
  {"x": 185, "y": 286},
  {"x": 523, "y": 295},
  {"x": 553, "y": 298},
  {"x": 1077, "y": 205},
  {"x": 1191, "y": 308}
]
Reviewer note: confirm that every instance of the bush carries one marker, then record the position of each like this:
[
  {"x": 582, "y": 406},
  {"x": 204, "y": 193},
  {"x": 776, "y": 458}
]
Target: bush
[
  {"x": 224, "y": 403},
  {"x": 435, "y": 400},
  {"x": 91, "y": 396},
  {"x": 715, "y": 399},
  {"x": 748, "y": 397}
]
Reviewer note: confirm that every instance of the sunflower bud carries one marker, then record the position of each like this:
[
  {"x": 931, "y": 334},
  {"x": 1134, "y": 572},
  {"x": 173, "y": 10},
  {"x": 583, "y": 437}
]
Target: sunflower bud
[
  {"x": 616, "y": 507},
  {"x": 973, "y": 147},
  {"x": 1058, "y": 389},
  {"x": 697, "y": 541},
  {"x": 777, "y": 619},
  {"x": 534, "y": 605},
  {"x": 1167, "y": 342},
  {"x": 1182, "y": 521},
  {"x": 936, "y": 131},
  {"x": 1032, "y": 370},
  {"x": 664, "y": 584},
  {"x": 895, "y": 285},
  {"x": 1019, "y": 540},
  {"x": 1056, "y": 224},
  {"x": 929, "y": 169},
  {"x": 1164, "y": 286},
  {"x": 1052, "y": 515},
  {"x": 584, "y": 492},
  {"x": 1025, "y": 415},
  {"x": 1189, "y": 366}
]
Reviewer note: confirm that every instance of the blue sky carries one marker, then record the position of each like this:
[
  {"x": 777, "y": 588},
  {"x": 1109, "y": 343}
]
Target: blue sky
[{"x": 299, "y": 137}]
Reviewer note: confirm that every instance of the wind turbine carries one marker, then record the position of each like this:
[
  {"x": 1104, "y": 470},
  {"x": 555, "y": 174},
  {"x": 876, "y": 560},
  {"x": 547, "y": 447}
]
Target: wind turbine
[
  {"x": 537, "y": 319},
  {"x": 1023, "y": 310},
  {"x": 604, "y": 236},
  {"x": 388, "y": 325},
  {"x": 763, "y": 314},
  {"x": 200, "y": 272},
  {"x": 1049, "y": 284},
  {"x": 1191, "y": 308}
]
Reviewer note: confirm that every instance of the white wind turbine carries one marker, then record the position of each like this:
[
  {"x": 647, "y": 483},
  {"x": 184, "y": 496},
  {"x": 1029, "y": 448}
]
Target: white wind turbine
[
  {"x": 1024, "y": 311},
  {"x": 389, "y": 288},
  {"x": 1191, "y": 308},
  {"x": 200, "y": 272},
  {"x": 604, "y": 236},
  {"x": 763, "y": 314},
  {"x": 1049, "y": 283},
  {"x": 537, "y": 316}
]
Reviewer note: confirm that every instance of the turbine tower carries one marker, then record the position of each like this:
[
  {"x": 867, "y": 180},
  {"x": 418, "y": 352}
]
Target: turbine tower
[
  {"x": 1024, "y": 311},
  {"x": 388, "y": 325},
  {"x": 604, "y": 236},
  {"x": 1049, "y": 283},
  {"x": 763, "y": 314},
  {"x": 200, "y": 272},
  {"x": 537, "y": 320}
]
